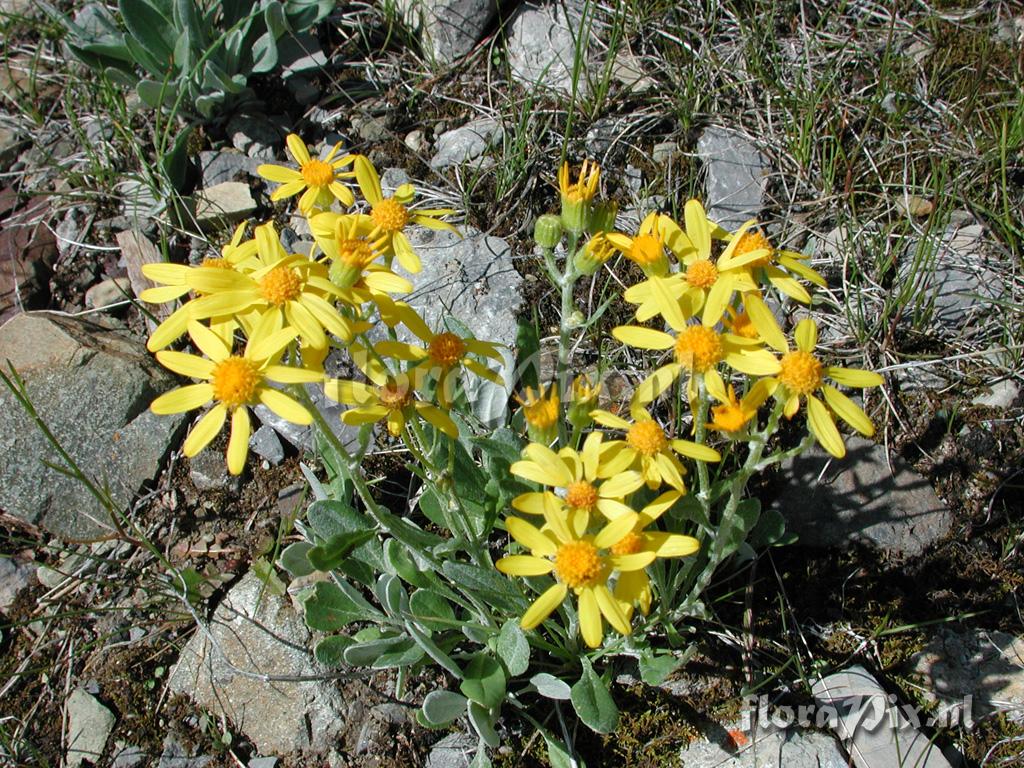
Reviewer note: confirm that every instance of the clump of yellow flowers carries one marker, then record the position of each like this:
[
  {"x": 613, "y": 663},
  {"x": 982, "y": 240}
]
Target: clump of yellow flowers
[
  {"x": 601, "y": 504},
  {"x": 261, "y": 318}
]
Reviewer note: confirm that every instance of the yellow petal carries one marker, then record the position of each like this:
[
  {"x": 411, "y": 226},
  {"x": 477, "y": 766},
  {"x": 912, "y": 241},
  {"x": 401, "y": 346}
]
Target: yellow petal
[
  {"x": 169, "y": 330},
  {"x": 632, "y": 562},
  {"x": 806, "y": 335},
  {"x": 667, "y": 304},
  {"x": 550, "y": 464},
  {"x": 302, "y": 320},
  {"x": 611, "y": 609},
  {"x": 657, "y": 383},
  {"x": 349, "y": 392},
  {"x": 848, "y": 411},
  {"x": 695, "y": 451},
  {"x": 368, "y": 180},
  {"x": 531, "y": 503},
  {"x": 530, "y": 537},
  {"x": 167, "y": 274},
  {"x": 671, "y": 544},
  {"x": 207, "y": 429},
  {"x": 643, "y": 338},
  {"x": 716, "y": 302},
  {"x": 543, "y": 606},
  {"x": 820, "y": 422},
  {"x": 406, "y": 255},
  {"x": 357, "y": 417},
  {"x": 163, "y": 294},
  {"x": 620, "y": 485},
  {"x": 788, "y": 285},
  {"x": 210, "y": 343},
  {"x": 298, "y": 149},
  {"x": 591, "y": 625},
  {"x": 438, "y": 418},
  {"x": 287, "y": 374},
  {"x": 764, "y": 321},
  {"x": 238, "y": 443},
  {"x": 854, "y": 377},
  {"x": 278, "y": 173},
  {"x": 185, "y": 364},
  {"x": 613, "y": 509},
  {"x": 284, "y": 406},
  {"x": 524, "y": 565},
  {"x": 614, "y": 531},
  {"x": 756, "y": 362},
  {"x": 182, "y": 399},
  {"x": 608, "y": 419},
  {"x": 697, "y": 228},
  {"x": 670, "y": 473}
]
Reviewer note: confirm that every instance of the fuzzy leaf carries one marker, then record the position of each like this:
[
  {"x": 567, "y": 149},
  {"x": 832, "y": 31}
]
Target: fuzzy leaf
[{"x": 592, "y": 701}]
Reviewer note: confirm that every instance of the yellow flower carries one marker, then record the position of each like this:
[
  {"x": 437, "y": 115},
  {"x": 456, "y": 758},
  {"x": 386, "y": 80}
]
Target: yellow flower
[
  {"x": 751, "y": 250},
  {"x": 234, "y": 383},
  {"x": 349, "y": 243},
  {"x": 541, "y": 411},
  {"x": 319, "y": 178},
  {"x": 390, "y": 216},
  {"x": 391, "y": 397},
  {"x": 235, "y": 255},
  {"x": 287, "y": 285},
  {"x": 583, "y": 398},
  {"x": 595, "y": 253},
  {"x": 801, "y": 374},
  {"x": 698, "y": 350},
  {"x": 733, "y": 414},
  {"x": 575, "y": 477},
  {"x": 647, "y": 248},
  {"x": 576, "y": 196},
  {"x": 648, "y": 448},
  {"x": 634, "y": 587},
  {"x": 580, "y": 562},
  {"x": 444, "y": 352}
]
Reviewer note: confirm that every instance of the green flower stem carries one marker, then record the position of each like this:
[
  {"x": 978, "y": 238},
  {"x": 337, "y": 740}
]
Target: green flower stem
[
  {"x": 566, "y": 284},
  {"x": 700, "y": 435}
]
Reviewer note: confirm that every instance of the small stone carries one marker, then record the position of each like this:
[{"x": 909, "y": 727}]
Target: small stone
[
  {"x": 665, "y": 152},
  {"x": 448, "y": 28},
  {"x": 263, "y": 762},
  {"x": 14, "y": 577},
  {"x": 112, "y": 291},
  {"x": 912, "y": 205},
  {"x": 89, "y": 725},
  {"x": 254, "y": 135},
  {"x": 175, "y": 755},
  {"x": 736, "y": 177},
  {"x": 603, "y": 134},
  {"x": 229, "y": 201},
  {"x": 629, "y": 71},
  {"x": 208, "y": 472},
  {"x": 859, "y": 499},
  {"x": 226, "y": 165},
  {"x": 1002, "y": 394},
  {"x": 377, "y": 726},
  {"x": 392, "y": 179},
  {"x": 541, "y": 48},
  {"x": 733, "y": 746},
  {"x": 265, "y": 443},
  {"x": 456, "y": 750},
  {"x": 127, "y": 756},
  {"x": 416, "y": 141},
  {"x": 368, "y": 127},
  {"x": 467, "y": 143}
]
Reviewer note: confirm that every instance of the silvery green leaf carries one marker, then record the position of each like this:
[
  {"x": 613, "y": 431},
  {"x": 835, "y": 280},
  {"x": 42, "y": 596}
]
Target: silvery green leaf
[
  {"x": 484, "y": 681},
  {"x": 149, "y": 26},
  {"x": 264, "y": 53},
  {"x": 551, "y": 687},
  {"x": 432, "y": 649},
  {"x": 513, "y": 648},
  {"x": 329, "y": 609},
  {"x": 430, "y": 610},
  {"x": 330, "y": 651},
  {"x": 441, "y": 707},
  {"x": 592, "y": 701},
  {"x": 484, "y": 726}
]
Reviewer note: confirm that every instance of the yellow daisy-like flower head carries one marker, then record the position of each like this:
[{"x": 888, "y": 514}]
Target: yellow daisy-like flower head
[
  {"x": 583, "y": 397},
  {"x": 541, "y": 411},
  {"x": 234, "y": 383},
  {"x": 750, "y": 250},
  {"x": 579, "y": 562},
  {"x": 583, "y": 480},
  {"x": 577, "y": 195},
  {"x": 733, "y": 414},
  {"x": 648, "y": 448},
  {"x": 390, "y": 216},
  {"x": 390, "y": 397},
  {"x": 349, "y": 243},
  {"x": 646, "y": 249},
  {"x": 318, "y": 180},
  {"x": 802, "y": 375}
]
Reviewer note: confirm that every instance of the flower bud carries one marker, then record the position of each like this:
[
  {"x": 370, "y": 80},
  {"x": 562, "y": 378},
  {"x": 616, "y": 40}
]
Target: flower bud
[
  {"x": 547, "y": 232},
  {"x": 591, "y": 256},
  {"x": 602, "y": 216},
  {"x": 583, "y": 400},
  {"x": 541, "y": 411}
]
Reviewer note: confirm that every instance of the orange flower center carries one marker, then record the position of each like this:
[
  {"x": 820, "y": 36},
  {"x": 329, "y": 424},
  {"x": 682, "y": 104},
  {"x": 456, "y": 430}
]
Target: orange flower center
[
  {"x": 281, "y": 285},
  {"x": 699, "y": 349},
  {"x": 629, "y": 544},
  {"x": 355, "y": 252},
  {"x": 216, "y": 263},
  {"x": 389, "y": 215},
  {"x": 394, "y": 396},
  {"x": 754, "y": 241},
  {"x": 728, "y": 417},
  {"x": 701, "y": 274},
  {"x": 646, "y": 250},
  {"x": 647, "y": 438},
  {"x": 446, "y": 349},
  {"x": 541, "y": 413},
  {"x": 801, "y": 372},
  {"x": 743, "y": 326},
  {"x": 577, "y": 564},
  {"x": 317, "y": 173},
  {"x": 235, "y": 381},
  {"x": 581, "y": 495}
]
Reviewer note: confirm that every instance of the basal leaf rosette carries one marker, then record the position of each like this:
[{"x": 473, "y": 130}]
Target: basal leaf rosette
[
  {"x": 291, "y": 286},
  {"x": 234, "y": 383},
  {"x": 389, "y": 397},
  {"x": 802, "y": 375},
  {"x": 649, "y": 450},
  {"x": 580, "y": 562},
  {"x": 173, "y": 281},
  {"x": 584, "y": 481},
  {"x": 317, "y": 180},
  {"x": 390, "y": 216}
]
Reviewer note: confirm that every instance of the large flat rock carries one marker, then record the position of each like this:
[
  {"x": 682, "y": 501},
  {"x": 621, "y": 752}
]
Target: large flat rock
[{"x": 92, "y": 386}]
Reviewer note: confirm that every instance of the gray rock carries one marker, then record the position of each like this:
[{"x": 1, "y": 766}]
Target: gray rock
[
  {"x": 448, "y": 28},
  {"x": 541, "y": 48},
  {"x": 227, "y": 202},
  {"x": 225, "y": 165},
  {"x": 263, "y": 762},
  {"x": 14, "y": 577},
  {"x": 368, "y": 127},
  {"x": 114, "y": 290},
  {"x": 872, "y": 723},
  {"x": 127, "y": 756},
  {"x": 602, "y": 135},
  {"x": 736, "y": 176},
  {"x": 473, "y": 280},
  {"x": 255, "y": 135},
  {"x": 860, "y": 500},
  {"x": 138, "y": 202},
  {"x": 11, "y": 143},
  {"x": 467, "y": 143},
  {"x": 304, "y": 90},
  {"x": 93, "y": 386},
  {"x": 629, "y": 71},
  {"x": 89, "y": 725},
  {"x": 983, "y": 667},
  {"x": 392, "y": 179},
  {"x": 208, "y": 471},
  {"x": 416, "y": 141},
  {"x": 952, "y": 277},
  {"x": 266, "y": 444},
  {"x": 1001, "y": 395},
  {"x": 771, "y": 747},
  {"x": 456, "y": 750},
  {"x": 377, "y": 725},
  {"x": 254, "y": 634},
  {"x": 664, "y": 152},
  {"x": 175, "y": 755}
]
